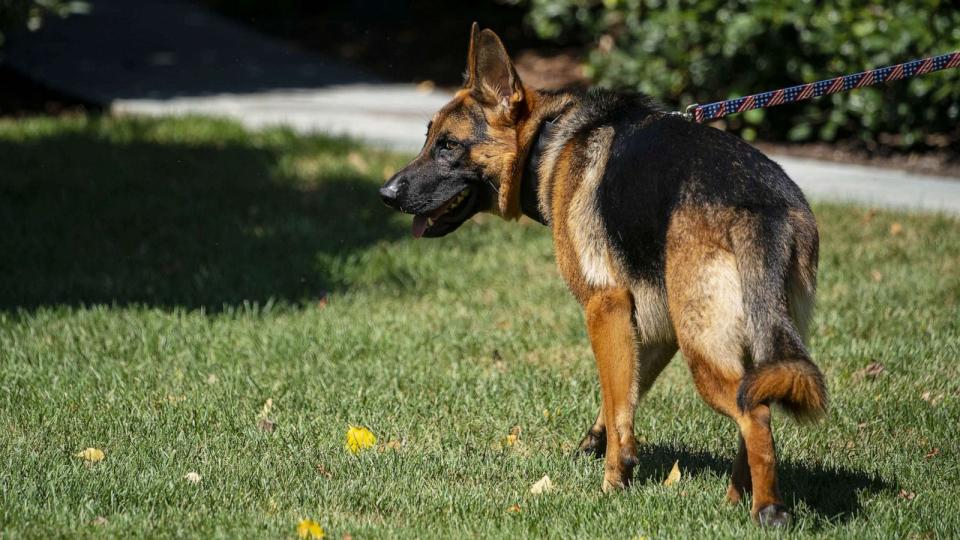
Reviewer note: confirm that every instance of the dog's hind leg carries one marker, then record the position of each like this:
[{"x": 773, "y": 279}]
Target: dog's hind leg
[
  {"x": 594, "y": 443},
  {"x": 740, "y": 483},
  {"x": 706, "y": 299}
]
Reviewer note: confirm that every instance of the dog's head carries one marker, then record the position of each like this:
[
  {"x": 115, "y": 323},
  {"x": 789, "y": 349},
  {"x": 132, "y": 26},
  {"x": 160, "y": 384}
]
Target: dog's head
[{"x": 468, "y": 163}]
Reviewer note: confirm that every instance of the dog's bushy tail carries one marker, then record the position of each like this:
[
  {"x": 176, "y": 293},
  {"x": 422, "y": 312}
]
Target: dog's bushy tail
[
  {"x": 782, "y": 371},
  {"x": 796, "y": 385}
]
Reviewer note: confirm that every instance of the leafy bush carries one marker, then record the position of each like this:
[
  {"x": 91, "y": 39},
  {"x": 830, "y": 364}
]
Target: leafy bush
[
  {"x": 31, "y": 13},
  {"x": 686, "y": 51}
]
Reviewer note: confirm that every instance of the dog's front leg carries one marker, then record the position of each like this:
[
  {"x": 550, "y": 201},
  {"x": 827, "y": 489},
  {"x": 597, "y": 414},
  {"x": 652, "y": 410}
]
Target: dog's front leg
[
  {"x": 651, "y": 359},
  {"x": 610, "y": 327}
]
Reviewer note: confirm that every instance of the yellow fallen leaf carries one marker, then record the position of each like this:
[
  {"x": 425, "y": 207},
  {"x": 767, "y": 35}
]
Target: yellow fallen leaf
[
  {"x": 674, "y": 475},
  {"x": 543, "y": 485},
  {"x": 359, "y": 438},
  {"x": 510, "y": 440},
  {"x": 308, "y": 528},
  {"x": 91, "y": 455},
  {"x": 514, "y": 509},
  {"x": 192, "y": 477},
  {"x": 267, "y": 409}
]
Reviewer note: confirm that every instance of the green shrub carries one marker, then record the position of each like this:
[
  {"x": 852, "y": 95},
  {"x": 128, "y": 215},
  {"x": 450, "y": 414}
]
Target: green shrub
[
  {"x": 686, "y": 51},
  {"x": 31, "y": 13}
]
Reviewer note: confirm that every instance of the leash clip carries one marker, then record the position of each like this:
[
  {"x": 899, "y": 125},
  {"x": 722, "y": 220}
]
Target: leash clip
[{"x": 687, "y": 114}]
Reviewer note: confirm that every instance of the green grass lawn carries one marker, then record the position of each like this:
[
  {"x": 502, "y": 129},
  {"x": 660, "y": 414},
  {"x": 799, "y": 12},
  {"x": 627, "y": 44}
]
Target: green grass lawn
[{"x": 160, "y": 280}]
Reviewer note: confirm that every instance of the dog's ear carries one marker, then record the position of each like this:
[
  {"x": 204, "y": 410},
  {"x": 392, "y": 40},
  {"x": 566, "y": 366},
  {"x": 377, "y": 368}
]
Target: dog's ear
[
  {"x": 491, "y": 75},
  {"x": 470, "y": 77}
]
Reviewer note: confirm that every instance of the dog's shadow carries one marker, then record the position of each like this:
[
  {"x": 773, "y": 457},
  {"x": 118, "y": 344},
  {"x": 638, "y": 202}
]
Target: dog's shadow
[{"x": 833, "y": 494}]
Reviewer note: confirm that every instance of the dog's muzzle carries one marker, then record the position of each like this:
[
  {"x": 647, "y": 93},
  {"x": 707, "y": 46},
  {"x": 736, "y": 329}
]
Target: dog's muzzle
[{"x": 390, "y": 192}]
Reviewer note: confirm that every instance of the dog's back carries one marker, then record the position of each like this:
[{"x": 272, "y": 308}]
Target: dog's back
[{"x": 715, "y": 242}]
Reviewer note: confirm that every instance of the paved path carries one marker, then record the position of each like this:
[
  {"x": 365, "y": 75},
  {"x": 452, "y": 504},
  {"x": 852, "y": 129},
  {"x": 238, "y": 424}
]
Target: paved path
[{"x": 162, "y": 57}]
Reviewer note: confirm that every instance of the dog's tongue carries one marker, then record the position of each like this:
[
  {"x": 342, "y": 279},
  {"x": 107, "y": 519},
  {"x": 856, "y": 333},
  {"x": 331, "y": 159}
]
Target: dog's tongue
[{"x": 419, "y": 225}]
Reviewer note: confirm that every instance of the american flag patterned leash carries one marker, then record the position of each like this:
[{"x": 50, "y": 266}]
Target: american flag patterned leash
[{"x": 712, "y": 111}]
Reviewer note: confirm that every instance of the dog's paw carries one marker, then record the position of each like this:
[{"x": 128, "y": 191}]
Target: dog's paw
[
  {"x": 616, "y": 478},
  {"x": 774, "y": 516},
  {"x": 594, "y": 444},
  {"x": 612, "y": 483},
  {"x": 734, "y": 495}
]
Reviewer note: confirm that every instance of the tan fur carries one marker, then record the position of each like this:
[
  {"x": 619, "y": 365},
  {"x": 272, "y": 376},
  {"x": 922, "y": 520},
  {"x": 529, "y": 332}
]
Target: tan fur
[
  {"x": 652, "y": 314},
  {"x": 587, "y": 235},
  {"x": 548, "y": 175},
  {"x": 705, "y": 293},
  {"x": 802, "y": 280},
  {"x": 565, "y": 251}
]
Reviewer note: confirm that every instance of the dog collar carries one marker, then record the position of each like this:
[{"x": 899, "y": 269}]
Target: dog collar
[{"x": 529, "y": 202}]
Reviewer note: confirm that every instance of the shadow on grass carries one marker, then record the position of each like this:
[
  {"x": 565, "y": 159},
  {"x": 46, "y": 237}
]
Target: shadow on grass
[
  {"x": 832, "y": 494},
  {"x": 87, "y": 220}
]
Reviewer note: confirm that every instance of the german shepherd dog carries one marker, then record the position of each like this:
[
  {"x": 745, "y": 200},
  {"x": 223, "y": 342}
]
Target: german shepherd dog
[{"x": 670, "y": 235}]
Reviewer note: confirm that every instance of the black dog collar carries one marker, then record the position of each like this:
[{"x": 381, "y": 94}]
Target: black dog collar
[{"x": 529, "y": 182}]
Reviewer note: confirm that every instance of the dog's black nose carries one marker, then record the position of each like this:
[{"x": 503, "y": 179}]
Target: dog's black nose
[{"x": 390, "y": 192}]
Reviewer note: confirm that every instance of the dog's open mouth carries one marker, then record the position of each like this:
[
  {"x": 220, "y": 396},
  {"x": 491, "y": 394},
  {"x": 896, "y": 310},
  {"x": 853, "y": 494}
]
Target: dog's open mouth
[{"x": 448, "y": 216}]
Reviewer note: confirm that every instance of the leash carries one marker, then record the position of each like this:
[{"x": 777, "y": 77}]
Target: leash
[{"x": 712, "y": 111}]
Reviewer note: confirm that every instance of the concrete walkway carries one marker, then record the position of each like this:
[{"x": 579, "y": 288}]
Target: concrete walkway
[{"x": 159, "y": 57}]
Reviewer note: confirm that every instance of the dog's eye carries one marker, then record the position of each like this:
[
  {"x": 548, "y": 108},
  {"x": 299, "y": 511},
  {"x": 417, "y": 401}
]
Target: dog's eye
[{"x": 450, "y": 144}]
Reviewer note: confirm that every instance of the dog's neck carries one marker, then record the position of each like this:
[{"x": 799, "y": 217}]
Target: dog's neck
[
  {"x": 530, "y": 178},
  {"x": 536, "y": 133}
]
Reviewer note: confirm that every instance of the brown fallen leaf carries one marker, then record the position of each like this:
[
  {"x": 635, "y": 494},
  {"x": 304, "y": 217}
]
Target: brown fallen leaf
[
  {"x": 871, "y": 371},
  {"x": 543, "y": 485},
  {"x": 324, "y": 471},
  {"x": 513, "y": 509},
  {"x": 932, "y": 453},
  {"x": 394, "y": 444},
  {"x": 674, "y": 475},
  {"x": 876, "y": 275},
  {"x": 266, "y": 425},
  {"x": 896, "y": 229},
  {"x": 908, "y": 495}
]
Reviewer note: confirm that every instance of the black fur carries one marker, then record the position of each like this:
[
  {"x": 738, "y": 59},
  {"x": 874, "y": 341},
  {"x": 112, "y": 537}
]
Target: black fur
[{"x": 659, "y": 161}]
